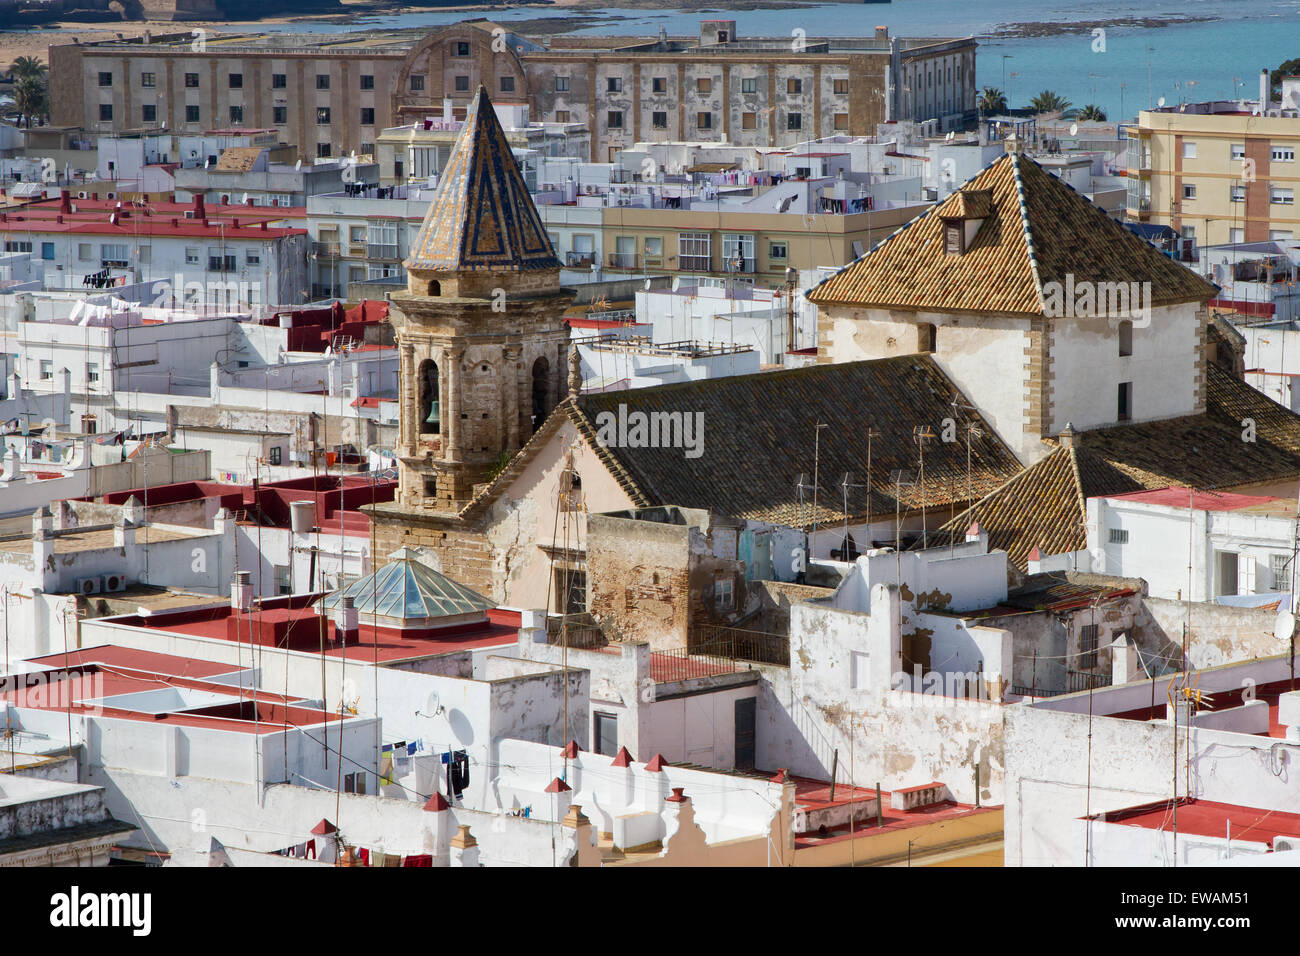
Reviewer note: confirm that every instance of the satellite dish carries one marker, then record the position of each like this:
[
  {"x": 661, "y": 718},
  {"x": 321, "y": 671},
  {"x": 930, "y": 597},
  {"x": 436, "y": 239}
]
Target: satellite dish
[
  {"x": 950, "y": 136},
  {"x": 1160, "y": 102},
  {"x": 433, "y": 706},
  {"x": 1074, "y": 129},
  {"x": 1284, "y": 625}
]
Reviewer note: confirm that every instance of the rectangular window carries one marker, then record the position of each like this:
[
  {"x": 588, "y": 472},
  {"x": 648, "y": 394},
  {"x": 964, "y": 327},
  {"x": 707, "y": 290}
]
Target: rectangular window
[
  {"x": 841, "y": 121},
  {"x": 148, "y": 80},
  {"x": 274, "y": 454},
  {"x": 367, "y": 116},
  {"x": 106, "y": 79},
  {"x": 352, "y": 782},
  {"x": 1189, "y": 150},
  {"x": 748, "y": 120},
  {"x": 322, "y": 116},
  {"x": 85, "y": 251},
  {"x": 1189, "y": 190},
  {"x": 191, "y": 114},
  {"x": 1088, "y": 646},
  {"x": 236, "y": 115},
  {"x": 694, "y": 253},
  {"x": 507, "y": 84},
  {"x": 461, "y": 48},
  {"x": 1281, "y": 197},
  {"x": 777, "y": 250},
  {"x": 105, "y": 112},
  {"x": 416, "y": 83},
  {"x": 561, "y": 116},
  {"x": 749, "y": 85},
  {"x": 116, "y": 255},
  {"x": 367, "y": 81},
  {"x": 659, "y": 120},
  {"x": 654, "y": 246},
  {"x": 614, "y": 119},
  {"x": 794, "y": 121},
  {"x": 47, "y": 251},
  {"x": 1238, "y": 150},
  {"x": 279, "y": 115},
  {"x": 191, "y": 256},
  {"x": 794, "y": 86},
  {"x": 704, "y": 120},
  {"x": 561, "y": 84},
  {"x": 47, "y": 369},
  {"x": 738, "y": 251},
  {"x": 841, "y": 87},
  {"x": 279, "y": 81},
  {"x": 253, "y": 257},
  {"x": 614, "y": 84},
  {"x": 236, "y": 81},
  {"x": 1279, "y": 566},
  {"x": 1125, "y": 338},
  {"x": 724, "y": 597},
  {"x": 1125, "y": 401},
  {"x": 1283, "y": 154},
  {"x": 927, "y": 336},
  {"x": 462, "y": 84},
  {"x": 191, "y": 81},
  {"x": 322, "y": 81},
  {"x": 1237, "y": 193},
  {"x": 1118, "y": 536},
  {"x": 606, "y": 734},
  {"x": 148, "y": 113},
  {"x": 92, "y": 373},
  {"x": 704, "y": 85},
  {"x": 659, "y": 84},
  {"x": 322, "y": 150}
]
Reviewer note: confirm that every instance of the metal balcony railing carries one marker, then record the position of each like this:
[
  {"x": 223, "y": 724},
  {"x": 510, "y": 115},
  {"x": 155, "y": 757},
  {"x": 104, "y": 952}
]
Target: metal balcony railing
[
  {"x": 695, "y": 263},
  {"x": 579, "y": 260},
  {"x": 330, "y": 249},
  {"x": 381, "y": 250},
  {"x": 622, "y": 260}
]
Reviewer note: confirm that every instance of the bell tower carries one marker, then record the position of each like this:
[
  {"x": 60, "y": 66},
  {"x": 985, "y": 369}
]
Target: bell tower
[{"x": 480, "y": 328}]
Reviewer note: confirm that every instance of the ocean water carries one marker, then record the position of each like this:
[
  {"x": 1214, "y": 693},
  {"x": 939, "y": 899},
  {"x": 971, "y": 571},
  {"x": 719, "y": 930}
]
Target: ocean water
[{"x": 1216, "y": 59}]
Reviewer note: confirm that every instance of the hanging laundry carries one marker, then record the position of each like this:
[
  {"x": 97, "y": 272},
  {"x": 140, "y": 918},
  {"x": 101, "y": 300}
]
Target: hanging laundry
[
  {"x": 364, "y": 854},
  {"x": 419, "y": 859},
  {"x": 459, "y": 775},
  {"x": 310, "y": 849}
]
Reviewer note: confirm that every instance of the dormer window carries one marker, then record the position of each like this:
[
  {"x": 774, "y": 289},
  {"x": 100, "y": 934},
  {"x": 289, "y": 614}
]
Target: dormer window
[{"x": 954, "y": 238}]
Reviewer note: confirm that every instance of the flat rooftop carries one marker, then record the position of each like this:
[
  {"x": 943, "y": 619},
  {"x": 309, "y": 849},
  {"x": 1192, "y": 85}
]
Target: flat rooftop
[
  {"x": 1209, "y": 819},
  {"x": 70, "y": 542},
  {"x": 1184, "y": 498}
]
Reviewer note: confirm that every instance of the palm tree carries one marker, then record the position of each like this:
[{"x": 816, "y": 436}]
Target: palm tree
[
  {"x": 27, "y": 66},
  {"x": 1050, "y": 102},
  {"x": 992, "y": 100},
  {"x": 1092, "y": 112},
  {"x": 31, "y": 99}
]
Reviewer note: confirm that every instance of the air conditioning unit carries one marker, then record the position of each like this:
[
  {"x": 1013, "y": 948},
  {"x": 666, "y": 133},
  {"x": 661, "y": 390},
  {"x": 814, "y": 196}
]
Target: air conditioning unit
[
  {"x": 114, "y": 583},
  {"x": 1284, "y": 844},
  {"x": 88, "y": 586},
  {"x": 189, "y": 213}
]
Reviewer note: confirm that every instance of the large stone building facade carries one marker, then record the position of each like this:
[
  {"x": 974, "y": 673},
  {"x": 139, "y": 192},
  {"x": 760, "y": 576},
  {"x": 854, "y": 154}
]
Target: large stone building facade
[{"x": 335, "y": 94}]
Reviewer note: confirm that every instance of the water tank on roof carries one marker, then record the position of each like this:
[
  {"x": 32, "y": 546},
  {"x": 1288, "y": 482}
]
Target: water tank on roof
[{"x": 302, "y": 516}]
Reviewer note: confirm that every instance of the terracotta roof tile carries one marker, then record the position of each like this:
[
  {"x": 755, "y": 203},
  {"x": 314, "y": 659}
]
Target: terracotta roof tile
[{"x": 1037, "y": 230}]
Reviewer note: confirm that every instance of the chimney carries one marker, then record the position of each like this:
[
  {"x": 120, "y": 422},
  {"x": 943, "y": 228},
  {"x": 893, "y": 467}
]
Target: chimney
[
  {"x": 65, "y": 201},
  {"x": 464, "y": 848},
  {"x": 241, "y": 592},
  {"x": 532, "y": 627},
  {"x": 1124, "y": 660},
  {"x": 264, "y": 225},
  {"x": 234, "y": 224},
  {"x": 1288, "y": 714},
  {"x": 123, "y": 533},
  {"x": 882, "y": 33},
  {"x": 1035, "y": 561},
  {"x": 200, "y": 211},
  {"x": 347, "y": 621},
  {"x": 1263, "y": 91},
  {"x": 975, "y": 533},
  {"x": 1067, "y": 436}
]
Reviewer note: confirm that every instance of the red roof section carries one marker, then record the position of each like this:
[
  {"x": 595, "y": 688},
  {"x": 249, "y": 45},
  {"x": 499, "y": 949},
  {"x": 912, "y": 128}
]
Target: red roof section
[
  {"x": 1210, "y": 819},
  {"x": 1176, "y": 497}
]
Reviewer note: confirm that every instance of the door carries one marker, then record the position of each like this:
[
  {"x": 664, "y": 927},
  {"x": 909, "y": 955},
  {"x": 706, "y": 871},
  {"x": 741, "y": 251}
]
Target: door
[
  {"x": 1227, "y": 573},
  {"x": 745, "y": 733},
  {"x": 606, "y": 734}
]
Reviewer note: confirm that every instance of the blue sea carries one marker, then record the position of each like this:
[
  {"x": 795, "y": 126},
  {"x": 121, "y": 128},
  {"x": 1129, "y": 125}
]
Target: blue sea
[{"x": 1216, "y": 59}]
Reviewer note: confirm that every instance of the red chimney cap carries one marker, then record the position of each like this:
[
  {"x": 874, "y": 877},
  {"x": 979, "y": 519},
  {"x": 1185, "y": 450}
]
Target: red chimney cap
[
  {"x": 324, "y": 828},
  {"x": 974, "y": 528},
  {"x": 557, "y": 786},
  {"x": 781, "y": 776},
  {"x": 437, "y": 803},
  {"x": 1035, "y": 555},
  {"x": 677, "y": 796},
  {"x": 622, "y": 758},
  {"x": 657, "y": 763},
  {"x": 571, "y": 749}
]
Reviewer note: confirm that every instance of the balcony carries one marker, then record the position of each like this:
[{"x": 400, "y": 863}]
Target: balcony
[
  {"x": 738, "y": 265},
  {"x": 325, "y": 250},
  {"x": 579, "y": 260},
  {"x": 622, "y": 260},
  {"x": 382, "y": 250},
  {"x": 695, "y": 263}
]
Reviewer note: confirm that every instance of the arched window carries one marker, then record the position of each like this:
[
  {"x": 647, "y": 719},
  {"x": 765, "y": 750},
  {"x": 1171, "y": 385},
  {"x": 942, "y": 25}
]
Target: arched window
[
  {"x": 1125, "y": 338},
  {"x": 430, "y": 417},
  {"x": 847, "y": 551},
  {"x": 541, "y": 392},
  {"x": 435, "y": 287}
]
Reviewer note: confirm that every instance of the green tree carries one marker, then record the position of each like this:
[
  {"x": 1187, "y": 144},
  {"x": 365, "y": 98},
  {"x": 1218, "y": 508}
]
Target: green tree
[
  {"x": 1288, "y": 68},
  {"x": 992, "y": 100},
  {"x": 1092, "y": 112},
  {"x": 1050, "y": 102},
  {"x": 31, "y": 99},
  {"x": 27, "y": 66}
]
